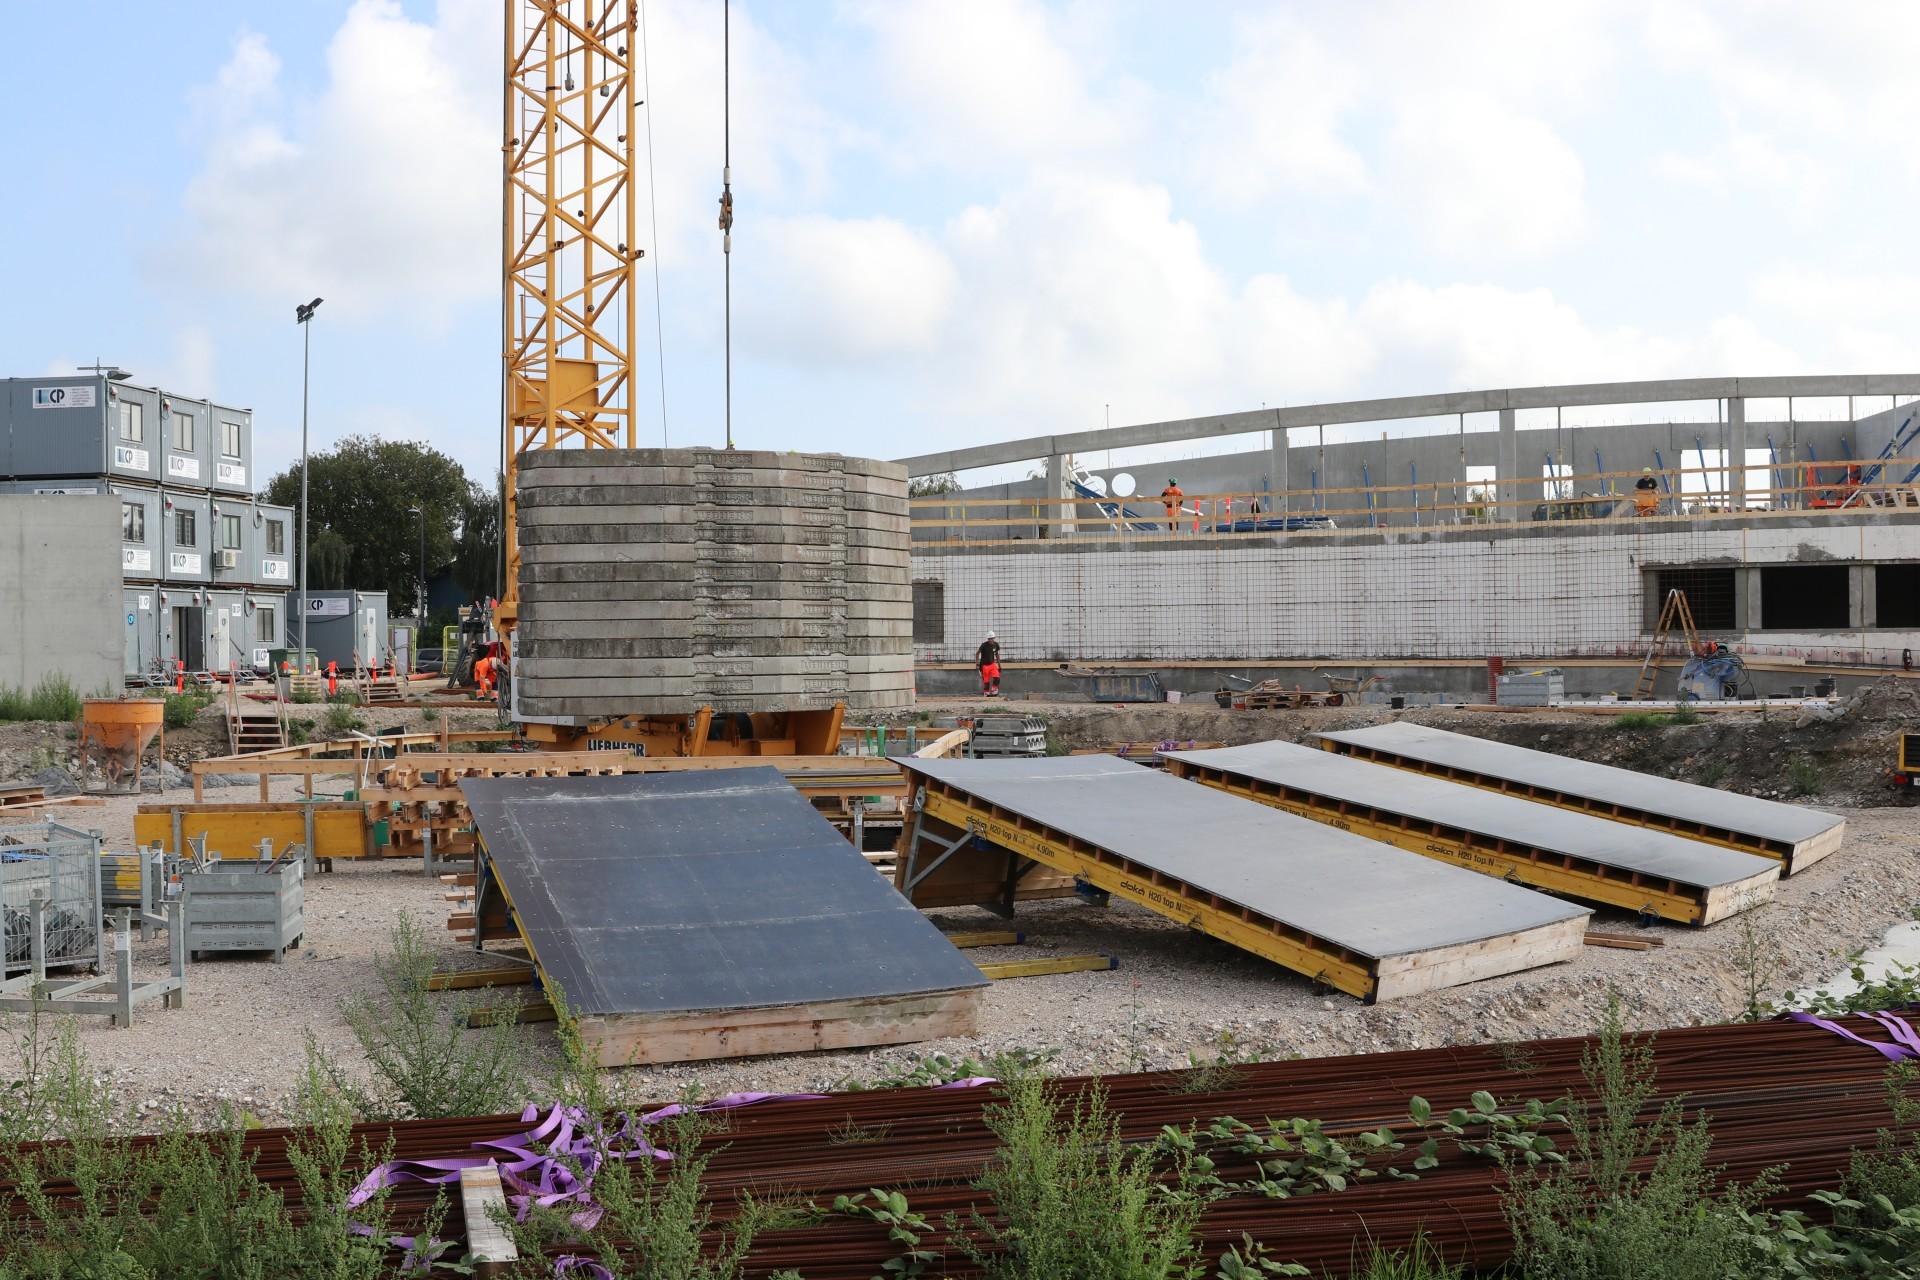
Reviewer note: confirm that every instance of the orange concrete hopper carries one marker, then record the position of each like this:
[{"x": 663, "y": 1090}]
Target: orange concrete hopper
[{"x": 114, "y": 734}]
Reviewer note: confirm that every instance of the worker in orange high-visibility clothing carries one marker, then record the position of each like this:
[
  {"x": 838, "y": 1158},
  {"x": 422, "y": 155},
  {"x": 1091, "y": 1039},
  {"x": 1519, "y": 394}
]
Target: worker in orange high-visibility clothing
[
  {"x": 1171, "y": 496},
  {"x": 483, "y": 674},
  {"x": 1646, "y": 493}
]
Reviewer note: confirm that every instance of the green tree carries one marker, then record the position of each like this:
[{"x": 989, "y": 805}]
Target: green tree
[
  {"x": 476, "y": 551},
  {"x": 363, "y": 535}
]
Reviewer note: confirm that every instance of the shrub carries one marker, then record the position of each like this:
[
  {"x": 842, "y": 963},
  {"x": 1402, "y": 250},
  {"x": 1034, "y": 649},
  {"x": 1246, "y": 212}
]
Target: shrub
[
  {"x": 183, "y": 709},
  {"x": 1638, "y": 1199},
  {"x": 1638, "y": 720},
  {"x": 425, "y": 1062},
  {"x": 1803, "y": 777},
  {"x": 341, "y": 719},
  {"x": 1075, "y": 1202},
  {"x": 54, "y": 698}
]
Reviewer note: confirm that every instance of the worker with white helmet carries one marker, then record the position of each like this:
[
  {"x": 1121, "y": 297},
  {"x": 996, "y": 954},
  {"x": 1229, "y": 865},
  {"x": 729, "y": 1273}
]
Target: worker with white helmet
[
  {"x": 1646, "y": 493},
  {"x": 988, "y": 660}
]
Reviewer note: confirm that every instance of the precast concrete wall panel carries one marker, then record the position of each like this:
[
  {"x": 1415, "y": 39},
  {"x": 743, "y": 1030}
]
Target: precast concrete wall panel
[
  {"x": 60, "y": 584},
  {"x": 657, "y": 581},
  {"x": 1462, "y": 592}
]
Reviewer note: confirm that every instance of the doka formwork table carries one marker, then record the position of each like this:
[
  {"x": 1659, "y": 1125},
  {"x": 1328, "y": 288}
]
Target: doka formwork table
[
  {"x": 1639, "y": 869},
  {"x": 709, "y": 914},
  {"x": 1794, "y": 836},
  {"x": 1361, "y": 916}
]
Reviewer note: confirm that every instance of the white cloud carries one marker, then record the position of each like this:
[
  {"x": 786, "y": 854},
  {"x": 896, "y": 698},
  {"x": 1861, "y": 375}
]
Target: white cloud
[
  {"x": 996, "y": 81},
  {"x": 1272, "y": 117},
  {"x": 1484, "y": 182},
  {"x": 847, "y": 290}
]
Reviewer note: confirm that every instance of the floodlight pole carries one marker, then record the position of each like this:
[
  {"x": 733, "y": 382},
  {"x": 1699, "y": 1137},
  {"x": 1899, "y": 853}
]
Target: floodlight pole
[{"x": 303, "y": 314}]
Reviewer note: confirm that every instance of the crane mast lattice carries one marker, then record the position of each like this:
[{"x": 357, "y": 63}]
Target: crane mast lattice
[{"x": 569, "y": 240}]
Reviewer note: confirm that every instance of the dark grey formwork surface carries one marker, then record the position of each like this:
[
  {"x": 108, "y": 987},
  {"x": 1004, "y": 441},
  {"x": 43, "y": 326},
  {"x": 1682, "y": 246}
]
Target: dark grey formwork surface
[
  {"x": 673, "y": 892},
  {"x": 1690, "y": 802},
  {"x": 1371, "y": 898},
  {"x": 1396, "y": 791}
]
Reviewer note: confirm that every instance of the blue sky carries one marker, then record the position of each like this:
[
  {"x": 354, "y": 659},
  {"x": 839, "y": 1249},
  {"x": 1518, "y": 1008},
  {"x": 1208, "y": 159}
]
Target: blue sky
[{"x": 957, "y": 223}]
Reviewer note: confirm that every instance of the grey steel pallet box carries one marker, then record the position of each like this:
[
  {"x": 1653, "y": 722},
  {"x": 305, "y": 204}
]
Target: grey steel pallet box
[{"x": 242, "y": 906}]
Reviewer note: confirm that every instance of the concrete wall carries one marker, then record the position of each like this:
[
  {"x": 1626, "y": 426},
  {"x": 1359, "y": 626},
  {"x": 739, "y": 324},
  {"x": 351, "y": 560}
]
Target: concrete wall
[
  {"x": 60, "y": 602},
  {"x": 1545, "y": 590}
]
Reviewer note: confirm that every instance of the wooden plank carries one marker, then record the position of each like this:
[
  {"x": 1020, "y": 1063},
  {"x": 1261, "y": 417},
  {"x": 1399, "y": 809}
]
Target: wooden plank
[
  {"x": 637, "y": 1039},
  {"x": 1003, "y": 969},
  {"x": 477, "y": 979},
  {"x": 483, "y": 1205},
  {"x": 945, "y": 745}
]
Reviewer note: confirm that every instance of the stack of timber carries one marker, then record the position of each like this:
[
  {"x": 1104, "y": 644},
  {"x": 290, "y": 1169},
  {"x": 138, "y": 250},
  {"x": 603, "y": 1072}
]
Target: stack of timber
[
  {"x": 696, "y": 915},
  {"x": 658, "y": 581},
  {"x": 1645, "y": 870},
  {"x": 1359, "y": 916},
  {"x": 418, "y": 792},
  {"x": 1795, "y": 837}
]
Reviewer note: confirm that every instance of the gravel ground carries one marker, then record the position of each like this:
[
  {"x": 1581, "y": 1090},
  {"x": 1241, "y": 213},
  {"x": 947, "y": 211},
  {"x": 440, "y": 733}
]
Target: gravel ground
[{"x": 241, "y": 1036}]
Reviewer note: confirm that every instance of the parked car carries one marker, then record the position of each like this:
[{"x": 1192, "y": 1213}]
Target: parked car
[{"x": 429, "y": 662}]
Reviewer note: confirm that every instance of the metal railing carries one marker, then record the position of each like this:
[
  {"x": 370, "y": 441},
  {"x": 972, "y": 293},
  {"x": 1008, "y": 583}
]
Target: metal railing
[{"x": 1679, "y": 493}]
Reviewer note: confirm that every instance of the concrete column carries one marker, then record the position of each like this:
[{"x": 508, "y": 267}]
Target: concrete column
[
  {"x": 1277, "y": 481},
  {"x": 1057, "y": 488},
  {"x": 1737, "y": 449},
  {"x": 1860, "y": 601},
  {"x": 1507, "y": 467},
  {"x": 1750, "y": 580}
]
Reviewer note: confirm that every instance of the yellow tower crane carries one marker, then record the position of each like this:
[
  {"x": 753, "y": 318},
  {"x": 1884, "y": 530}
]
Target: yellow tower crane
[{"x": 568, "y": 245}]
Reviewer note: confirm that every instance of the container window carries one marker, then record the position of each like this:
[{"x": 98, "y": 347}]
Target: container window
[
  {"x": 185, "y": 534},
  {"x": 230, "y": 440},
  {"x": 183, "y": 432},
  {"x": 230, "y": 533},
  {"x": 133, "y": 425},
  {"x": 265, "y": 621},
  {"x": 276, "y": 537},
  {"x": 133, "y": 522}
]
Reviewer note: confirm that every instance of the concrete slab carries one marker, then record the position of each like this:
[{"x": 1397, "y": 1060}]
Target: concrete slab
[
  {"x": 1371, "y": 901},
  {"x": 1795, "y": 835},
  {"x": 1586, "y": 857}
]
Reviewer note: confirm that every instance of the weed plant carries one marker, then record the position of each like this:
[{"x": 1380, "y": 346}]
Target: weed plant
[
  {"x": 341, "y": 719},
  {"x": 1804, "y": 777},
  {"x": 1074, "y": 1201},
  {"x": 426, "y": 1062},
  {"x": 53, "y": 698},
  {"x": 183, "y": 709},
  {"x": 1638, "y": 1201}
]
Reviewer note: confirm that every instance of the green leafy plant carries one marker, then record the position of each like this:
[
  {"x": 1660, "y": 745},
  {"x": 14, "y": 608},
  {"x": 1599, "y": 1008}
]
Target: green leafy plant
[
  {"x": 1484, "y": 1128},
  {"x": 53, "y": 698},
  {"x": 341, "y": 719},
  {"x": 1249, "y": 1260},
  {"x": 1073, "y": 1201},
  {"x": 1804, "y": 777},
  {"x": 1897, "y": 988},
  {"x": 1636, "y": 720},
  {"x": 904, "y": 1227},
  {"x": 182, "y": 709},
  {"x": 425, "y": 1062},
  {"x": 1222, "y": 1066},
  {"x": 939, "y": 1068},
  {"x": 1639, "y": 1198}
]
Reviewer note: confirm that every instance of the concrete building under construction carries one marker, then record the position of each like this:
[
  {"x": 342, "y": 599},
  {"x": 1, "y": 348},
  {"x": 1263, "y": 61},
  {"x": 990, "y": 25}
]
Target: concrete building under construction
[{"x": 1464, "y": 534}]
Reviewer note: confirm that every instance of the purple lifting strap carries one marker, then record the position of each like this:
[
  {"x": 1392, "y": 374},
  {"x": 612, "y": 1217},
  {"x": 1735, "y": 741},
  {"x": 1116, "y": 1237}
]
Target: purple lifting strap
[
  {"x": 1906, "y": 1045},
  {"x": 547, "y": 1177}
]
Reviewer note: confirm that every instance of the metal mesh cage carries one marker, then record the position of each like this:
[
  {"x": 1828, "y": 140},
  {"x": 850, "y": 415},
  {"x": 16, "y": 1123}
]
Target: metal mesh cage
[{"x": 60, "y": 866}]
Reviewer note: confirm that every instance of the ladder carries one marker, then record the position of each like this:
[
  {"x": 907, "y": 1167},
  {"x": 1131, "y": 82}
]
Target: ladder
[{"x": 1675, "y": 609}]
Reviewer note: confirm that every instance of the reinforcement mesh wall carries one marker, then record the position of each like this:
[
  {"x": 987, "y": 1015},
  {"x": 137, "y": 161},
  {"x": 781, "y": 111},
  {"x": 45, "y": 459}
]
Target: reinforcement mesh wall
[{"x": 1365, "y": 595}]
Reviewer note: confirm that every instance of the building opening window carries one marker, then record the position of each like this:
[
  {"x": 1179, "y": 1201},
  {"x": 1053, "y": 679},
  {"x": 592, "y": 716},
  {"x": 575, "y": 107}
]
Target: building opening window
[
  {"x": 1804, "y": 597},
  {"x": 133, "y": 522},
  {"x": 276, "y": 537},
  {"x": 133, "y": 424},
  {"x": 230, "y": 440},
  {"x": 183, "y": 432},
  {"x": 1557, "y": 481},
  {"x": 1709, "y": 593},
  {"x": 1896, "y": 595},
  {"x": 184, "y": 532},
  {"x": 929, "y": 611},
  {"x": 265, "y": 620},
  {"x": 230, "y": 533}
]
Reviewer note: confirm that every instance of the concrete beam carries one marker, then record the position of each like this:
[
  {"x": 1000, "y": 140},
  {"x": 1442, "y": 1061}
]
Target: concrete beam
[{"x": 1397, "y": 408}]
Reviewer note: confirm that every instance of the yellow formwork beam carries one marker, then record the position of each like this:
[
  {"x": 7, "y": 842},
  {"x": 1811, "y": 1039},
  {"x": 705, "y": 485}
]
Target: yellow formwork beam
[
  {"x": 1003, "y": 969},
  {"x": 987, "y": 938},
  {"x": 1666, "y": 902},
  {"x": 339, "y": 831},
  {"x": 1319, "y": 961},
  {"x": 1566, "y": 800}
]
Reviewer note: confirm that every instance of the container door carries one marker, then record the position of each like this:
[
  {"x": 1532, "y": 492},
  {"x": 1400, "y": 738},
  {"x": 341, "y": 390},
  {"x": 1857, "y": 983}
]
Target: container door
[
  {"x": 222, "y": 653},
  {"x": 369, "y": 638}
]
